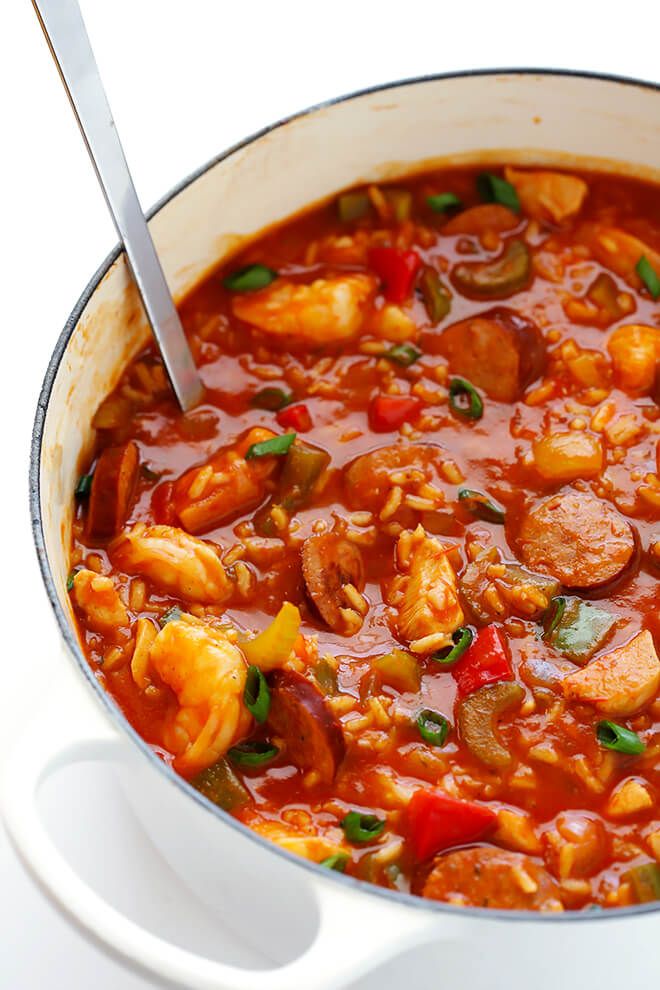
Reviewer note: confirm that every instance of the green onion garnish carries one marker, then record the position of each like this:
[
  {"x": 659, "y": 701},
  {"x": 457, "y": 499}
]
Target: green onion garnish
[
  {"x": 649, "y": 276},
  {"x": 464, "y": 399},
  {"x": 494, "y": 189},
  {"x": 276, "y": 445},
  {"x": 271, "y": 398},
  {"x": 443, "y": 202},
  {"x": 149, "y": 473},
  {"x": 462, "y": 640},
  {"x": 433, "y": 727},
  {"x": 250, "y": 279},
  {"x": 555, "y": 614},
  {"x": 173, "y": 614},
  {"x": 403, "y": 354},
  {"x": 361, "y": 828},
  {"x": 83, "y": 486},
  {"x": 618, "y": 738},
  {"x": 71, "y": 578},
  {"x": 252, "y": 754},
  {"x": 256, "y": 694},
  {"x": 481, "y": 506},
  {"x": 338, "y": 862}
]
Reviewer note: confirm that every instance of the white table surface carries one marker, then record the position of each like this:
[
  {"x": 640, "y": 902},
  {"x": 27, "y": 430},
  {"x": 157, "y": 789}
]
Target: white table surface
[{"x": 185, "y": 80}]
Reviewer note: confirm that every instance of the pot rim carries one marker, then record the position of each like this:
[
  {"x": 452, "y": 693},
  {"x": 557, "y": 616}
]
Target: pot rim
[{"x": 104, "y": 698}]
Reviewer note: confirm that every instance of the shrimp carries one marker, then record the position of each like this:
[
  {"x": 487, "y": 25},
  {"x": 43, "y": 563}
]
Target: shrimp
[
  {"x": 325, "y": 311},
  {"x": 426, "y": 593},
  {"x": 96, "y": 596},
  {"x": 635, "y": 352},
  {"x": 177, "y": 563},
  {"x": 225, "y": 486},
  {"x": 548, "y": 195},
  {"x": 207, "y": 674},
  {"x": 618, "y": 250}
]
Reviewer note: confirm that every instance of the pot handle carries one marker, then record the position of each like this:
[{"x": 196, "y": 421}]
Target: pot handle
[{"x": 352, "y": 937}]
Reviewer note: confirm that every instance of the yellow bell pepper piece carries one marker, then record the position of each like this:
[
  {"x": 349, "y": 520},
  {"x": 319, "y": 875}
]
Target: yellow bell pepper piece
[
  {"x": 399, "y": 669},
  {"x": 272, "y": 647}
]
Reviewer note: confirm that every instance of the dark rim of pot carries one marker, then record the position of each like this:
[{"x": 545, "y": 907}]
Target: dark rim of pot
[{"x": 112, "y": 710}]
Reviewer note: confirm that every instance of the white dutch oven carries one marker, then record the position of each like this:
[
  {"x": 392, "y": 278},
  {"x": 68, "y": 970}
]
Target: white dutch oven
[{"x": 349, "y": 928}]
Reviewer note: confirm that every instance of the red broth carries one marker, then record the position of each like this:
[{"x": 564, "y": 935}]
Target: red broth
[{"x": 474, "y": 392}]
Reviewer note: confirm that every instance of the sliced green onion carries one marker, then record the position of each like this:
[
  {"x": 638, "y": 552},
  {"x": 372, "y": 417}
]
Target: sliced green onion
[
  {"x": 462, "y": 640},
  {"x": 443, "y": 202},
  {"x": 83, "y": 486},
  {"x": 555, "y": 614},
  {"x": 361, "y": 828},
  {"x": 173, "y": 614},
  {"x": 71, "y": 578},
  {"x": 403, "y": 354},
  {"x": 276, "y": 445},
  {"x": 271, "y": 398},
  {"x": 250, "y": 278},
  {"x": 149, "y": 473},
  {"x": 433, "y": 727},
  {"x": 649, "y": 276},
  {"x": 481, "y": 506},
  {"x": 464, "y": 399},
  {"x": 353, "y": 206},
  {"x": 256, "y": 694},
  {"x": 252, "y": 754},
  {"x": 618, "y": 738},
  {"x": 494, "y": 189},
  {"x": 338, "y": 862}
]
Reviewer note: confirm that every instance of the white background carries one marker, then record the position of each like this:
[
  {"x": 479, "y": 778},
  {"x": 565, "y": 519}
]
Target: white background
[{"x": 185, "y": 80}]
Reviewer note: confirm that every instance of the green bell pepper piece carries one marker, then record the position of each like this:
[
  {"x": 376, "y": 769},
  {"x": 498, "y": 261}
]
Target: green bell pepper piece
[{"x": 581, "y": 630}]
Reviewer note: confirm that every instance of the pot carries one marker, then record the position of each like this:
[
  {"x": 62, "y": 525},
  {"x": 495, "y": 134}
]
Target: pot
[{"x": 347, "y": 927}]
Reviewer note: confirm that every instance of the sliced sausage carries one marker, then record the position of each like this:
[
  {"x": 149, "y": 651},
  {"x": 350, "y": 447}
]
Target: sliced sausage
[
  {"x": 300, "y": 715},
  {"x": 493, "y": 878},
  {"x": 498, "y": 351},
  {"x": 578, "y": 539},
  {"x": 367, "y": 479},
  {"x": 329, "y": 562},
  {"x": 113, "y": 488}
]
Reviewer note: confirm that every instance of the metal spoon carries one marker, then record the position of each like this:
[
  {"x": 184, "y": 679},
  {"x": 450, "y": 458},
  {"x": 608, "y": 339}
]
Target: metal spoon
[{"x": 63, "y": 26}]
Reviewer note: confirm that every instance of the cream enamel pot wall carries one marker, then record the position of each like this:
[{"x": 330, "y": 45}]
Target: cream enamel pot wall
[{"x": 522, "y": 117}]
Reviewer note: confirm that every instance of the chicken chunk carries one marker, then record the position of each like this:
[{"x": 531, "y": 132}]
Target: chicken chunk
[
  {"x": 620, "y": 682},
  {"x": 306, "y": 844},
  {"x": 207, "y": 674},
  {"x": 225, "y": 486},
  {"x": 425, "y": 593},
  {"x": 546, "y": 195},
  {"x": 618, "y": 250},
  {"x": 325, "y": 311},
  {"x": 175, "y": 562},
  {"x": 635, "y": 352},
  {"x": 96, "y": 596},
  {"x": 631, "y": 797}
]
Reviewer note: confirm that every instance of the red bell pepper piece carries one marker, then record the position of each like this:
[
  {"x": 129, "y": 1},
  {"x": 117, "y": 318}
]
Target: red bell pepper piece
[
  {"x": 485, "y": 662},
  {"x": 396, "y": 269},
  {"x": 295, "y": 418},
  {"x": 437, "y": 821},
  {"x": 389, "y": 412}
]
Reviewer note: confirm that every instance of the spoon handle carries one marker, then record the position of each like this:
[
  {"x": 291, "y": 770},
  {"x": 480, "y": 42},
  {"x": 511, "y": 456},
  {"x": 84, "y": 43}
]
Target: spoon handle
[{"x": 63, "y": 26}]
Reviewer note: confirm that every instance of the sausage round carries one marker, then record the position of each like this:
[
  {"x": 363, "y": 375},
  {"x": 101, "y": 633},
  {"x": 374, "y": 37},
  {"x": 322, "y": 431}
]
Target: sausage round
[
  {"x": 301, "y": 716},
  {"x": 113, "y": 488},
  {"x": 498, "y": 351},
  {"x": 578, "y": 539},
  {"x": 493, "y": 878},
  {"x": 329, "y": 562}
]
